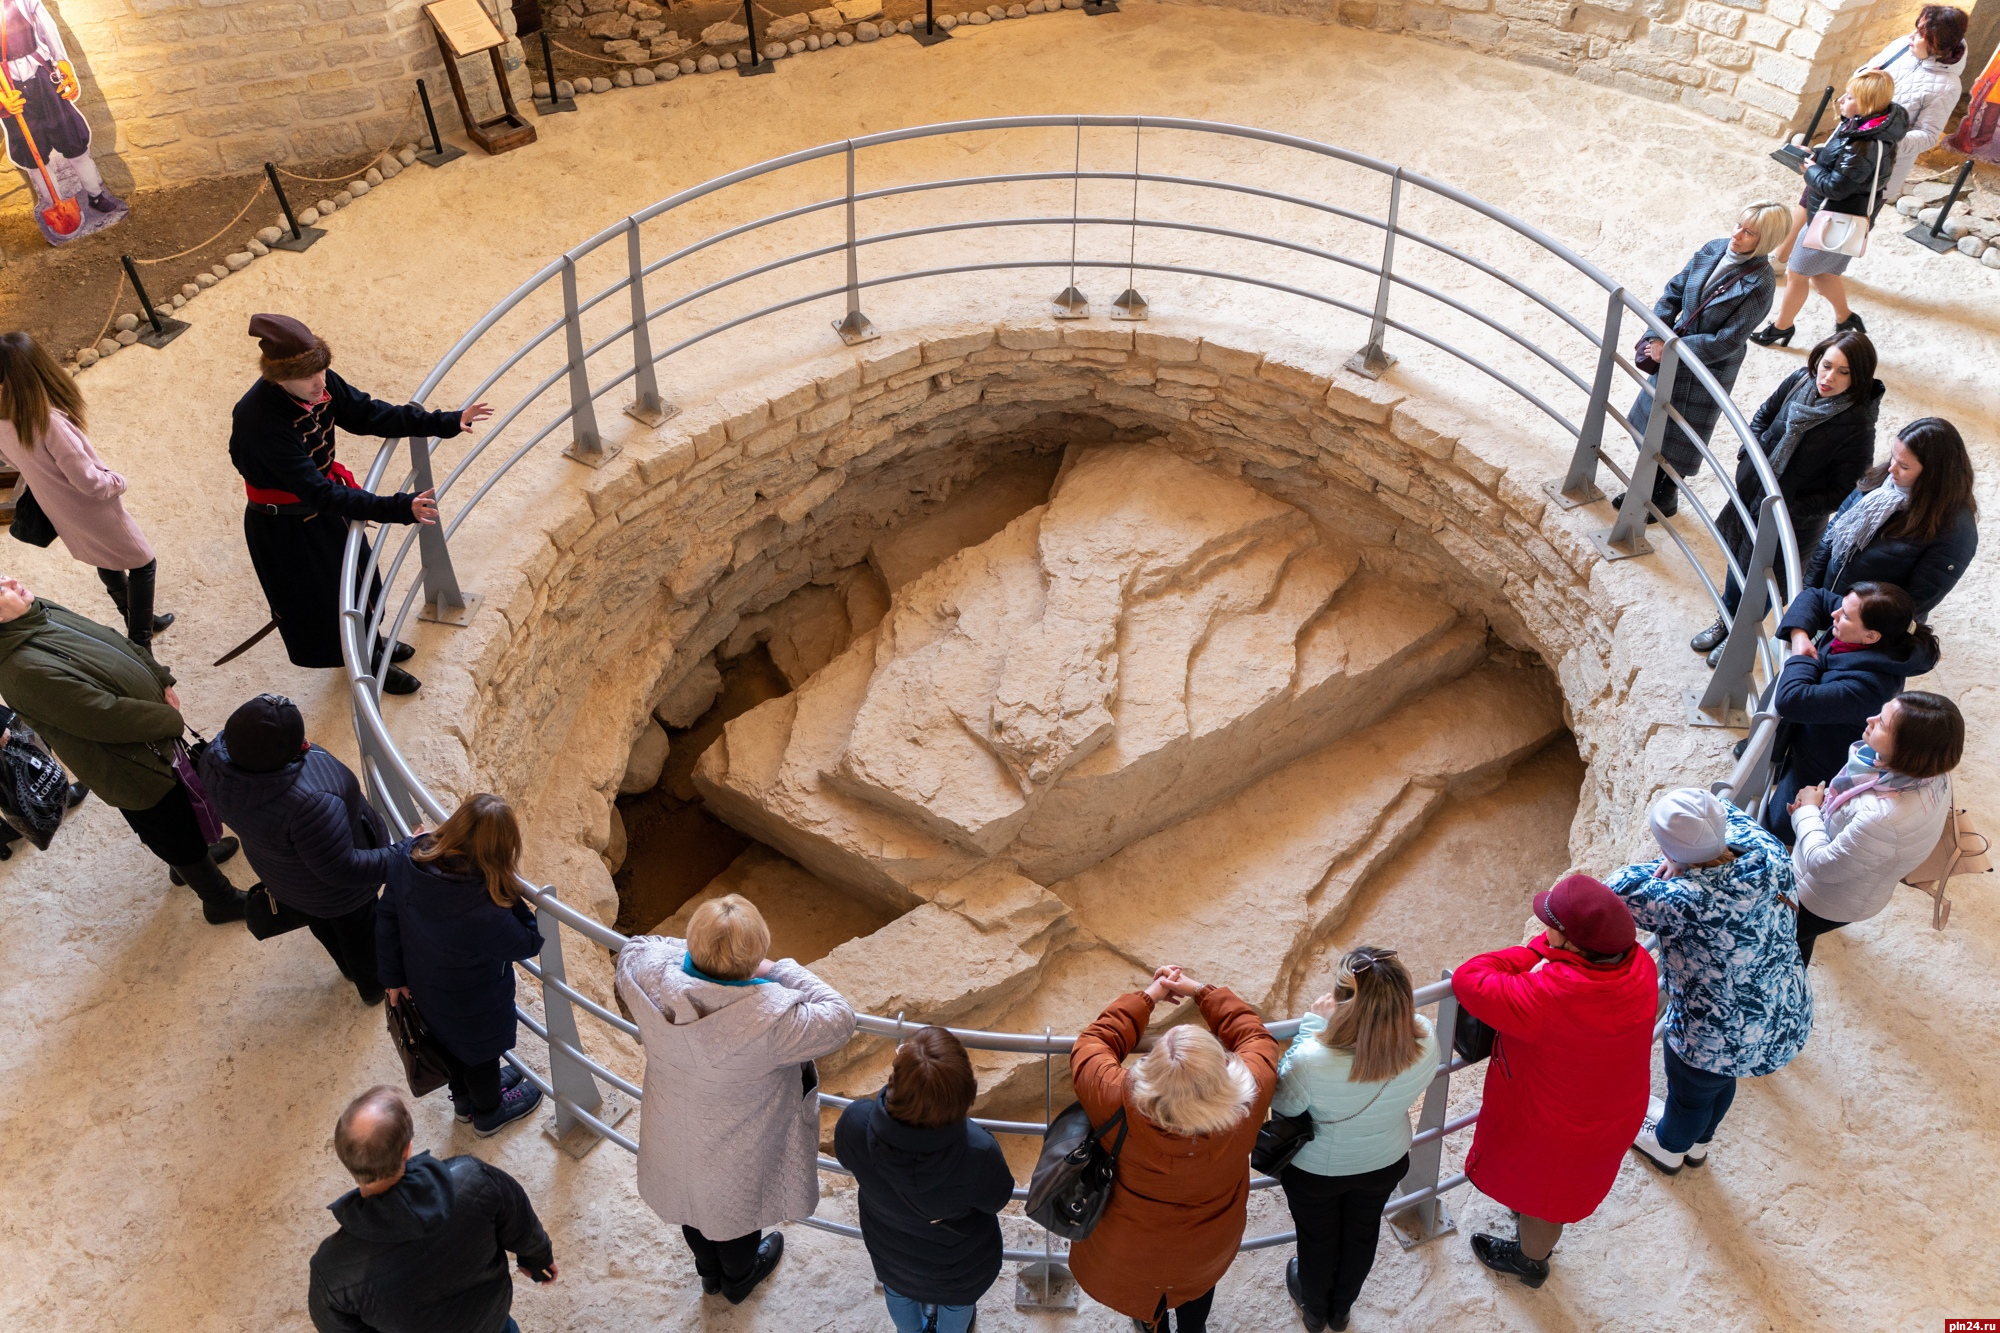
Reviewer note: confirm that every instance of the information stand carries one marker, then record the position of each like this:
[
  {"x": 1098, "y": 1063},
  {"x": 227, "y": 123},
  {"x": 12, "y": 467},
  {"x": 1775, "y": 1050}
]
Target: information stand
[{"x": 464, "y": 28}]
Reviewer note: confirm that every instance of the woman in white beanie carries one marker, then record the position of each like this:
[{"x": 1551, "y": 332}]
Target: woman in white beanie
[
  {"x": 1738, "y": 1005},
  {"x": 1879, "y": 819}
]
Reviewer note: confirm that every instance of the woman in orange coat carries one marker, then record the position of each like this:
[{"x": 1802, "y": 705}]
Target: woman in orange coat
[{"x": 1192, "y": 1108}]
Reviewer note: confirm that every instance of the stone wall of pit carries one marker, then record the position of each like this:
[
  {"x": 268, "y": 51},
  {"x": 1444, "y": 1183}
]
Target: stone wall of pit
[{"x": 631, "y": 577}]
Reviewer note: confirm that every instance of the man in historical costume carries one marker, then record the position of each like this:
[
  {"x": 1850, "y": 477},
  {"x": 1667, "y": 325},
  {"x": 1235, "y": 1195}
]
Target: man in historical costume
[
  {"x": 301, "y": 500},
  {"x": 44, "y": 93}
]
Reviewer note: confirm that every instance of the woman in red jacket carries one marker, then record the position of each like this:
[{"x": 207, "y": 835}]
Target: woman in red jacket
[{"x": 1571, "y": 1069}]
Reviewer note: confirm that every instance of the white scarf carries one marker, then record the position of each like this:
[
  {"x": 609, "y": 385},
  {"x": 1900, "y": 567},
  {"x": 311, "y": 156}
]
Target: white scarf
[{"x": 1857, "y": 527}]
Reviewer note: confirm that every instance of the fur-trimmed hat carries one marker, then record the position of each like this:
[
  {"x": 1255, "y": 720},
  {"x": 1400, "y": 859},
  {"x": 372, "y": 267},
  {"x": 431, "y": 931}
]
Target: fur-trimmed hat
[{"x": 291, "y": 350}]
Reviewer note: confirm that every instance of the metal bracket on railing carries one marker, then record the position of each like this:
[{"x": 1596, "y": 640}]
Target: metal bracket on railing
[
  {"x": 856, "y": 328},
  {"x": 1724, "y": 702},
  {"x": 1371, "y": 360},
  {"x": 1580, "y": 486},
  {"x": 1130, "y": 305},
  {"x": 568, "y": 1075},
  {"x": 1428, "y": 1220},
  {"x": 1626, "y": 537},
  {"x": 646, "y": 406},
  {"x": 1070, "y": 302},
  {"x": 586, "y": 445},
  {"x": 445, "y": 603}
]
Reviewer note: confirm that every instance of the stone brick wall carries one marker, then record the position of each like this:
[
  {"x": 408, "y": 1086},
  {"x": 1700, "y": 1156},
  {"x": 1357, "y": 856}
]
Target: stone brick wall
[
  {"x": 180, "y": 90},
  {"x": 1756, "y": 63}
]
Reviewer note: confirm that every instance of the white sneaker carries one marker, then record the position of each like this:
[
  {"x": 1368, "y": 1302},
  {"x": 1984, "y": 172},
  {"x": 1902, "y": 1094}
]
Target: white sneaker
[{"x": 1649, "y": 1146}]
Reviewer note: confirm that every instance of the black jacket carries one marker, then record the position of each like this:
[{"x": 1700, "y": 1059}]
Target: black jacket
[
  {"x": 1925, "y": 570},
  {"x": 280, "y": 444},
  {"x": 316, "y": 844},
  {"x": 929, "y": 1202},
  {"x": 445, "y": 938},
  {"x": 1860, "y": 149},
  {"x": 1824, "y": 701},
  {"x": 1823, "y": 468},
  {"x": 427, "y": 1255}
]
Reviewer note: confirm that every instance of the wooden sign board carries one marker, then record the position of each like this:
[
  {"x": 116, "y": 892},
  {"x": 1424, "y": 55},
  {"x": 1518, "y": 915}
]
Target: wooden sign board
[{"x": 465, "y": 26}]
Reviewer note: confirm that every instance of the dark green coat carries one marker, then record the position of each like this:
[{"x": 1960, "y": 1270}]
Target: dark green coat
[{"x": 96, "y": 699}]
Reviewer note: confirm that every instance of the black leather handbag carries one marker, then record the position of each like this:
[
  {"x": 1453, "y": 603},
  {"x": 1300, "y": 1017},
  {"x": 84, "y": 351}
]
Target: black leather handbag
[
  {"x": 1279, "y": 1140},
  {"x": 423, "y": 1059},
  {"x": 1071, "y": 1186},
  {"x": 30, "y": 524},
  {"x": 268, "y": 918},
  {"x": 1471, "y": 1037}
]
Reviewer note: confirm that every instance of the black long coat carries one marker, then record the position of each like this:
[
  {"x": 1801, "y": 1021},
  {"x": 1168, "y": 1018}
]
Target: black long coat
[
  {"x": 1718, "y": 337},
  {"x": 1823, "y": 468},
  {"x": 281, "y": 444},
  {"x": 1925, "y": 570}
]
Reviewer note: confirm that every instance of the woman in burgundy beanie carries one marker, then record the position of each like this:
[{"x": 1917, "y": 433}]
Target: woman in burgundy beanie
[
  {"x": 301, "y": 500},
  {"x": 1572, "y": 1063}
]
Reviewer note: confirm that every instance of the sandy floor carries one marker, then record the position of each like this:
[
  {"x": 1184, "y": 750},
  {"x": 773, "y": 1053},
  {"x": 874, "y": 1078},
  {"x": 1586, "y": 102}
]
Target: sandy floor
[{"x": 172, "y": 1087}]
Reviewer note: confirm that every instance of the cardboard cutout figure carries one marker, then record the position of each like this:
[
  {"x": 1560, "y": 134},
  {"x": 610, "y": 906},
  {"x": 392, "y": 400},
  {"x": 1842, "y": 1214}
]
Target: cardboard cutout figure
[
  {"x": 48, "y": 140},
  {"x": 1979, "y": 133}
]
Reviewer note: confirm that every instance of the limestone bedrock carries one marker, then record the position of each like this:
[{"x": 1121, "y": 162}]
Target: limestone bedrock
[{"x": 1153, "y": 638}]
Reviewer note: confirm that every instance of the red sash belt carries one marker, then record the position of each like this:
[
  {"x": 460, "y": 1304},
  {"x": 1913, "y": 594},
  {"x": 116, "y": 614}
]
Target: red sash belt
[{"x": 335, "y": 471}]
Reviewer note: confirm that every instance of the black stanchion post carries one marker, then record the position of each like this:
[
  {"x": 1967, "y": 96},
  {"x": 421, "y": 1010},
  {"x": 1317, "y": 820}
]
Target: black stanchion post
[
  {"x": 1794, "y": 156},
  {"x": 441, "y": 152},
  {"x": 1933, "y": 236},
  {"x": 928, "y": 33},
  {"x": 162, "y": 330},
  {"x": 549, "y": 68},
  {"x": 301, "y": 237},
  {"x": 757, "y": 65}
]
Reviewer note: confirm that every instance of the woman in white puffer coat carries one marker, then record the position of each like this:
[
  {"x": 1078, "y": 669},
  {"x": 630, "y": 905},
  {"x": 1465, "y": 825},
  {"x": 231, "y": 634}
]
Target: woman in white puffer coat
[
  {"x": 1879, "y": 818},
  {"x": 729, "y": 1129},
  {"x": 1927, "y": 67}
]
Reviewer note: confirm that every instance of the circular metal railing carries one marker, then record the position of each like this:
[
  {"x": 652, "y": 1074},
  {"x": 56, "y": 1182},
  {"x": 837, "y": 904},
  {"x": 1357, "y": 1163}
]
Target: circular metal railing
[{"x": 551, "y": 353}]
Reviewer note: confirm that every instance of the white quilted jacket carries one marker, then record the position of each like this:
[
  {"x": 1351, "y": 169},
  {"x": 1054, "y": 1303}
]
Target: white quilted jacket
[
  {"x": 1928, "y": 90},
  {"x": 728, "y": 1132},
  {"x": 1848, "y": 865}
]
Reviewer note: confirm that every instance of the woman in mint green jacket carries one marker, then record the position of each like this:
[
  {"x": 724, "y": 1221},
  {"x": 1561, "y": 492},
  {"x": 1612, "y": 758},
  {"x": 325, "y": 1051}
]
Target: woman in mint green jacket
[{"x": 1361, "y": 1057}]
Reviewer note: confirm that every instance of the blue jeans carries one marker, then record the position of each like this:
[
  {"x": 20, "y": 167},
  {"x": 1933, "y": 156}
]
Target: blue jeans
[
  {"x": 915, "y": 1317},
  {"x": 1696, "y": 1102},
  {"x": 511, "y": 1327}
]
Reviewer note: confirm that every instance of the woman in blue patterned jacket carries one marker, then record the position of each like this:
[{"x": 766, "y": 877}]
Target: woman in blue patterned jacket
[{"x": 1738, "y": 1005}]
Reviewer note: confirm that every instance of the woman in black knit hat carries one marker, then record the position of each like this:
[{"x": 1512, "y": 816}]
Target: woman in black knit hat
[{"x": 301, "y": 500}]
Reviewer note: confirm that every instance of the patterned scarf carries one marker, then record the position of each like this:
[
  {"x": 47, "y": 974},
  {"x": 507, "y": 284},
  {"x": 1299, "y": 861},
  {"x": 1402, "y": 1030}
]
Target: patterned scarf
[
  {"x": 1858, "y": 526},
  {"x": 1864, "y": 773},
  {"x": 1804, "y": 409}
]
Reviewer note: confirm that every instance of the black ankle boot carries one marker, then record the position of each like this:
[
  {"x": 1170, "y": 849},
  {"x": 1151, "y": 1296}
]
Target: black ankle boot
[
  {"x": 221, "y": 901},
  {"x": 218, "y": 852},
  {"x": 1773, "y": 336},
  {"x": 1852, "y": 324},
  {"x": 768, "y": 1253},
  {"x": 1505, "y": 1256}
]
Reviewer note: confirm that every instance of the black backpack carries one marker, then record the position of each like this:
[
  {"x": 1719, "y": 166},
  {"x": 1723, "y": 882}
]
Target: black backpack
[{"x": 1072, "y": 1182}]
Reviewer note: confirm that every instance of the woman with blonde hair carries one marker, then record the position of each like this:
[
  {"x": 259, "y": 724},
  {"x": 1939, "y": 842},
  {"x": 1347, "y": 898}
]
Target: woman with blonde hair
[
  {"x": 1849, "y": 173},
  {"x": 1189, "y": 1113},
  {"x": 1712, "y": 304},
  {"x": 729, "y": 1135},
  {"x": 41, "y": 436},
  {"x": 448, "y": 930},
  {"x": 1360, "y": 1058}
]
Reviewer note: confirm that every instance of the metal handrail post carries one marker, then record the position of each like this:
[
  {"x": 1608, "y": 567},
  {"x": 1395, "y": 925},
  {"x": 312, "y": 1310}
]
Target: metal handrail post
[
  {"x": 445, "y": 603},
  {"x": 1626, "y": 537},
  {"x": 1427, "y": 1220},
  {"x": 1730, "y": 686},
  {"x": 1371, "y": 360},
  {"x": 856, "y": 327},
  {"x": 569, "y": 1076},
  {"x": 1046, "y": 1283},
  {"x": 586, "y": 445},
  {"x": 1580, "y": 487},
  {"x": 645, "y": 405}
]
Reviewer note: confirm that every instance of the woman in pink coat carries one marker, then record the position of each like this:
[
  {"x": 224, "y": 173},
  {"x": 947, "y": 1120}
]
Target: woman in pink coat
[
  {"x": 1571, "y": 1069},
  {"x": 41, "y": 435}
]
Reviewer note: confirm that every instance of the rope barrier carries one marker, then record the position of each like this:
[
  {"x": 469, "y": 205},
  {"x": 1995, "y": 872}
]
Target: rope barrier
[
  {"x": 254, "y": 196},
  {"x": 409, "y": 115},
  {"x": 611, "y": 60},
  {"x": 111, "y": 314}
]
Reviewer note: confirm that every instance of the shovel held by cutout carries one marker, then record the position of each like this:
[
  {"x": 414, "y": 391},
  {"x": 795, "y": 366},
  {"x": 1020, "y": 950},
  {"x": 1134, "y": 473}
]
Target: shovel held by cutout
[{"x": 63, "y": 216}]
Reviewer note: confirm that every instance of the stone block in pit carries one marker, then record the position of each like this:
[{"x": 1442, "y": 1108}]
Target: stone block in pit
[{"x": 808, "y": 917}]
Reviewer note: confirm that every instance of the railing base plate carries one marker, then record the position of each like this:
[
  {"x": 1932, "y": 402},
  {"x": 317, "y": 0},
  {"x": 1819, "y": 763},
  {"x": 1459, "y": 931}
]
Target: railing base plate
[
  {"x": 1069, "y": 303},
  {"x": 1096, "y": 7},
  {"x": 1130, "y": 305},
  {"x": 458, "y": 617},
  {"x": 1554, "y": 490},
  {"x": 597, "y": 457},
  {"x": 932, "y": 38},
  {"x": 1370, "y": 362},
  {"x": 581, "y": 1137},
  {"x": 1046, "y": 1286},
  {"x": 856, "y": 329},
  {"x": 653, "y": 417},
  {"x": 1640, "y": 546},
  {"x": 169, "y": 330},
  {"x": 1795, "y": 158},
  {"x": 1411, "y": 1232},
  {"x": 1735, "y": 719},
  {"x": 450, "y": 152},
  {"x": 302, "y": 241},
  {"x": 1937, "y": 241}
]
